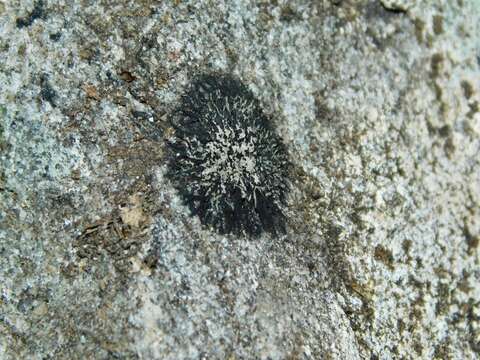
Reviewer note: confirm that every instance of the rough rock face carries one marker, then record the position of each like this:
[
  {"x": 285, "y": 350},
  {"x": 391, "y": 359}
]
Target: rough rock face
[{"x": 377, "y": 102}]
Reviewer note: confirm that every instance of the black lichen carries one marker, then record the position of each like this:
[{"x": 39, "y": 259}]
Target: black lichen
[{"x": 225, "y": 159}]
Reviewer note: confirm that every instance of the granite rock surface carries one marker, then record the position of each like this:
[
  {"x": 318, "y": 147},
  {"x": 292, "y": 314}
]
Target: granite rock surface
[{"x": 377, "y": 103}]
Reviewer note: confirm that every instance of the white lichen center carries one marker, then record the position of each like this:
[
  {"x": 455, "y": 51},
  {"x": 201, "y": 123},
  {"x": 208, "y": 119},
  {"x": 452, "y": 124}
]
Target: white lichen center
[
  {"x": 231, "y": 161},
  {"x": 229, "y": 158}
]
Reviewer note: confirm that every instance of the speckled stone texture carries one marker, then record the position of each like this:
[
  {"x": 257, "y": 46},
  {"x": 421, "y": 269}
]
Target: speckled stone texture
[{"x": 377, "y": 103}]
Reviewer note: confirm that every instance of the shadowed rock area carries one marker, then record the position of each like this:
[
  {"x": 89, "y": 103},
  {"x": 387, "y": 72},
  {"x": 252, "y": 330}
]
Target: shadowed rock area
[{"x": 377, "y": 103}]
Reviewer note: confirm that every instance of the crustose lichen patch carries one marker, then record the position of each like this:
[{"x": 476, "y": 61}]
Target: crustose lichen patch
[{"x": 225, "y": 159}]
